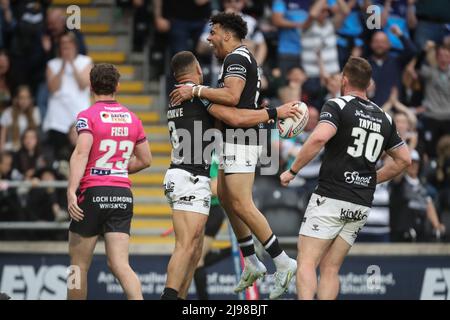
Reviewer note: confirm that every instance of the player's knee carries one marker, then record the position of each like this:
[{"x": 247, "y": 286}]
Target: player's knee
[
  {"x": 329, "y": 270},
  {"x": 82, "y": 268},
  {"x": 81, "y": 264},
  {"x": 116, "y": 267},
  {"x": 195, "y": 236},
  {"x": 190, "y": 250},
  {"x": 305, "y": 268},
  {"x": 303, "y": 274},
  {"x": 185, "y": 246},
  {"x": 111, "y": 265},
  {"x": 191, "y": 243},
  {"x": 197, "y": 253},
  {"x": 241, "y": 206}
]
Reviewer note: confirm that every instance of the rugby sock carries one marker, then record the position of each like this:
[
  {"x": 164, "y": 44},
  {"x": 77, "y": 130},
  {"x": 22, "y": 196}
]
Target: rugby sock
[
  {"x": 282, "y": 261},
  {"x": 248, "y": 250},
  {"x": 272, "y": 246},
  {"x": 280, "y": 258},
  {"x": 200, "y": 283},
  {"x": 253, "y": 259},
  {"x": 169, "y": 294},
  {"x": 247, "y": 246}
]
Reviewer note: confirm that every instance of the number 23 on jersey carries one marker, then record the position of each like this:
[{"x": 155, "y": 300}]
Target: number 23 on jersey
[{"x": 111, "y": 148}]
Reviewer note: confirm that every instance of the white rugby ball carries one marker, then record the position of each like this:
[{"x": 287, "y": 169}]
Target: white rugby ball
[{"x": 291, "y": 127}]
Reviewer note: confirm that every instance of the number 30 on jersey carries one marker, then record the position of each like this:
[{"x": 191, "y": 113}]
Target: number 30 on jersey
[{"x": 370, "y": 143}]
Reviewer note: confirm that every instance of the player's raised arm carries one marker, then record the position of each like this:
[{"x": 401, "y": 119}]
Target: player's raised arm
[
  {"x": 228, "y": 95},
  {"x": 248, "y": 118},
  {"x": 78, "y": 162}
]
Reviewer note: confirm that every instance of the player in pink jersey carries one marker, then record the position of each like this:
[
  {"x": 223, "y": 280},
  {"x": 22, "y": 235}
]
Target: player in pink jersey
[{"x": 111, "y": 144}]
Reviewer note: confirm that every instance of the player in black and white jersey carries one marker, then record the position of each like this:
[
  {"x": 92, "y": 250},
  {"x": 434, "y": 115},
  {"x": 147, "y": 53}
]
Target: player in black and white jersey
[
  {"x": 254, "y": 39},
  {"x": 355, "y": 132},
  {"x": 239, "y": 84},
  {"x": 187, "y": 180}
]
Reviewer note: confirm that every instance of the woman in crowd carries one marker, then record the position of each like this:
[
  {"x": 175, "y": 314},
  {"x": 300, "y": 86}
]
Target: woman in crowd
[
  {"x": 17, "y": 118},
  {"x": 68, "y": 83},
  {"x": 5, "y": 86},
  {"x": 26, "y": 160}
]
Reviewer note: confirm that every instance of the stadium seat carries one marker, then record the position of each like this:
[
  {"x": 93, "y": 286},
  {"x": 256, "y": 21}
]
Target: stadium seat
[{"x": 282, "y": 207}]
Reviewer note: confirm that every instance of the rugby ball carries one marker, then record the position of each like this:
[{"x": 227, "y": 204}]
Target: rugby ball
[{"x": 291, "y": 127}]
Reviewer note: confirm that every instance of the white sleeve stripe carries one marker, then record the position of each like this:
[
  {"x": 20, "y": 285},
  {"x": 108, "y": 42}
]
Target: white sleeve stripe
[
  {"x": 235, "y": 75},
  {"x": 374, "y": 104},
  {"x": 242, "y": 49},
  {"x": 348, "y": 98},
  {"x": 397, "y": 145},
  {"x": 345, "y": 101},
  {"x": 242, "y": 53},
  {"x": 339, "y": 102},
  {"x": 329, "y": 122},
  {"x": 388, "y": 116}
]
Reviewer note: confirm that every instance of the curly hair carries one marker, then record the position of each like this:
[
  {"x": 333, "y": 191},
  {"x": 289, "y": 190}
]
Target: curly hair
[
  {"x": 231, "y": 22},
  {"x": 104, "y": 78}
]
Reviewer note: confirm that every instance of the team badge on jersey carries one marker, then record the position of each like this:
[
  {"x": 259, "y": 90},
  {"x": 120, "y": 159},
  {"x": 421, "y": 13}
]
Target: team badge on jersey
[
  {"x": 236, "y": 68},
  {"x": 82, "y": 123},
  {"x": 325, "y": 115},
  {"x": 115, "y": 117}
]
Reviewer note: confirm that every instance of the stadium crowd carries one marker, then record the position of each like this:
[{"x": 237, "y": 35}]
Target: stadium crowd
[
  {"x": 44, "y": 84},
  {"x": 300, "y": 45}
]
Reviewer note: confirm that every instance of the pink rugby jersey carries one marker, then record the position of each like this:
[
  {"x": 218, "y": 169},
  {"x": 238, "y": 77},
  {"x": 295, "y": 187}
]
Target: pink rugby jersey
[{"x": 116, "y": 131}]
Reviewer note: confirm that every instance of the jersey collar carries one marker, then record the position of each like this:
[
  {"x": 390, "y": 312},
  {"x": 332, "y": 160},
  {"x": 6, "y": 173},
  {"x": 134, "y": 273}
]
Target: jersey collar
[
  {"x": 239, "y": 47},
  {"x": 107, "y": 101}
]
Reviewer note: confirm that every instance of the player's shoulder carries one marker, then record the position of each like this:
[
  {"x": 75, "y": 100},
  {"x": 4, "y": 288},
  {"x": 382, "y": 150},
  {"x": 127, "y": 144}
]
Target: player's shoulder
[
  {"x": 84, "y": 120},
  {"x": 87, "y": 113},
  {"x": 194, "y": 106},
  {"x": 375, "y": 111},
  {"x": 379, "y": 111},
  {"x": 340, "y": 102},
  {"x": 134, "y": 116},
  {"x": 202, "y": 102},
  {"x": 239, "y": 55}
]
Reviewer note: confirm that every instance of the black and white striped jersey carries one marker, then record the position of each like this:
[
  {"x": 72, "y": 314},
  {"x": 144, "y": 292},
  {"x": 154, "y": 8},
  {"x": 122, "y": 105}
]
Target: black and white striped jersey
[
  {"x": 188, "y": 123},
  {"x": 241, "y": 63},
  {"x": 364, "y": 131}
]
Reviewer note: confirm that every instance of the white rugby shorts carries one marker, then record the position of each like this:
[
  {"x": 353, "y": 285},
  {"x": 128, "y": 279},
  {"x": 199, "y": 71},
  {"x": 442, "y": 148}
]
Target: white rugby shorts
[
  {"x": 327, "y": 218},
  {"x": 238, "y": 158},
  {"x": 187, "y": 192}
]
